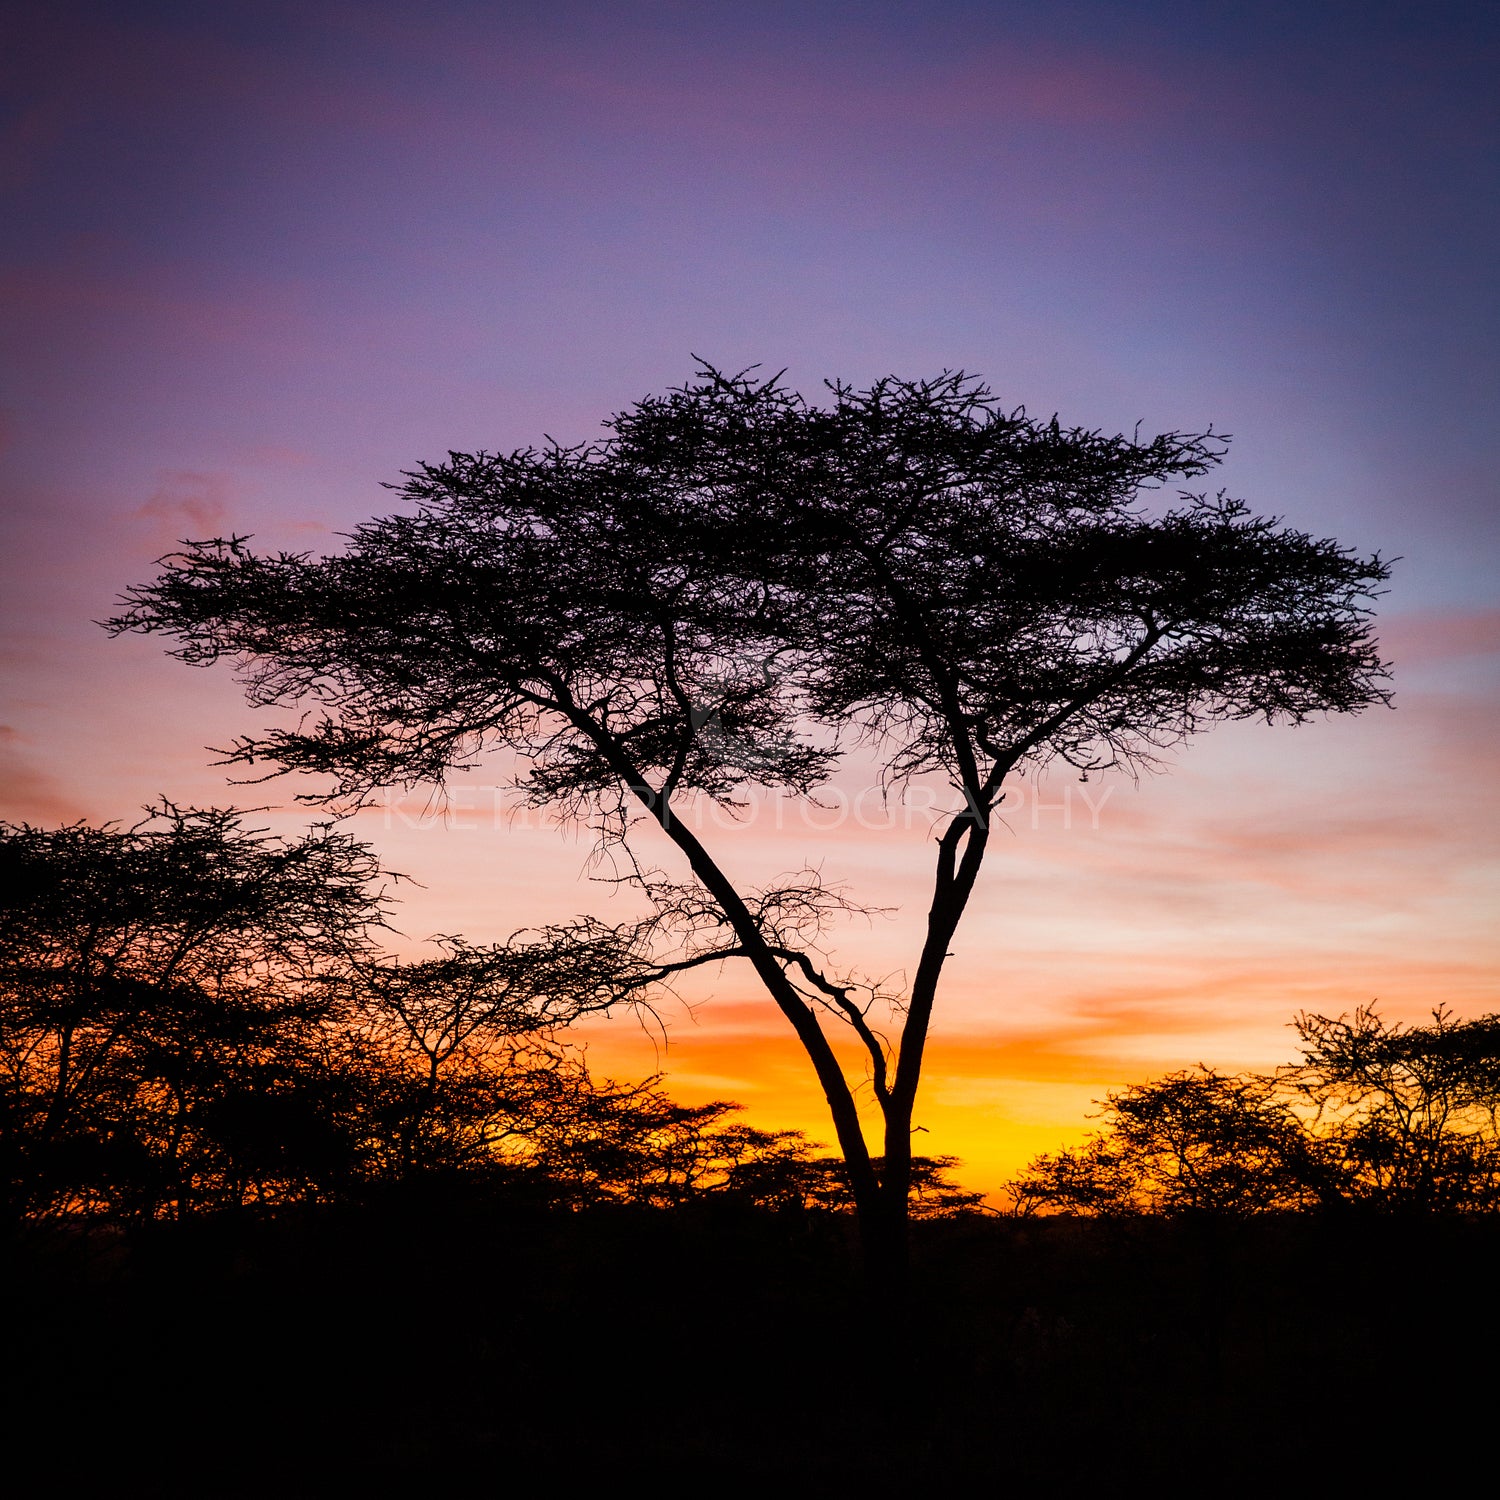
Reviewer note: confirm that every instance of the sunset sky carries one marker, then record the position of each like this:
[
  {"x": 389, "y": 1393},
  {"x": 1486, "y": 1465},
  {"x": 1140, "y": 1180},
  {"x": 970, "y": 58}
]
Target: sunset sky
[{"x": 257, "y": 259}]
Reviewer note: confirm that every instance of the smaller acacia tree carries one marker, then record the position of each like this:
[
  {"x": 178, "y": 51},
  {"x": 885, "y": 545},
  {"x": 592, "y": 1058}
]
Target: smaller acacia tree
[
  {"x": 139, "y": 966},
  {"x": 733, "y": 587},
  {"x": 465, "y": 1041},
  {"x": 1411, "y": 1114},
  {"x": 1193, "y": 1142}
]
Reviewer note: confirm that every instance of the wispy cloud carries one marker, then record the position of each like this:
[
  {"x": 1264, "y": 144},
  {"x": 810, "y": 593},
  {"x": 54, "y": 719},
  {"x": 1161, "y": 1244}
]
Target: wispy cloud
[
  {"x": 27, "y": 793},
  {"x": 202, "y": 499}
]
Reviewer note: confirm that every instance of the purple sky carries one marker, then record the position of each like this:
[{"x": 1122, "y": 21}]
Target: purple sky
[{"x": 256, "y": 259}]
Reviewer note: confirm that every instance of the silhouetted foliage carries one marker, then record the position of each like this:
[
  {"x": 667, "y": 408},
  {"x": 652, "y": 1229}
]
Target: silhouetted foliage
[
  {"x": 1195, "y": 1141},
  {"x": 195, "y": 1016},
  {"x": 1377, "y": 1114},
  {"x": 734, "y": 586},
  {"x": 163, "y": 988},
  {"x": 1408, "y": 1113},
  {"x": 462, "y": 1044}
]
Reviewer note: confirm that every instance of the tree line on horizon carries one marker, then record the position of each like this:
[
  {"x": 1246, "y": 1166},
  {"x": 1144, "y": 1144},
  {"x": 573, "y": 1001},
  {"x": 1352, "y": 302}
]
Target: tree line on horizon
[{"x": 198, "y": 1016}]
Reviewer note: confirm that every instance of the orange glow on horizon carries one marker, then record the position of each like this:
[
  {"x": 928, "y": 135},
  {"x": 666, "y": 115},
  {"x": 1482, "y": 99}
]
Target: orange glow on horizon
[{"x": 1266, "y": 872}]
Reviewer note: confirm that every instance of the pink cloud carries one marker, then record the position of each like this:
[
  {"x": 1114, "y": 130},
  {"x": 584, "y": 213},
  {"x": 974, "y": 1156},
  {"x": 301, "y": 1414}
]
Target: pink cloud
[
  {"x": 202, "y": 499},
  {"x": 42, "y": 296},
  {"x": 1079, "y": 90},
  {"x": 30, "y": 794},
  {"x": 767, "y": 98}
]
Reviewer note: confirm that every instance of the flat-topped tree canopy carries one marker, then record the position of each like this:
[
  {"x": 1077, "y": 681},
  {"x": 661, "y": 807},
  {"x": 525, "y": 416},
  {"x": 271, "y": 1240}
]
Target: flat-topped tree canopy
[
  {"x": 969, "y": 584},
  {"x": 734, "y": 583}
]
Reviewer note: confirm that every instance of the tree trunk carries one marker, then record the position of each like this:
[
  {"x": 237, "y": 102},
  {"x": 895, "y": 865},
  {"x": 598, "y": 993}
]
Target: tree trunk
[{"x": 885, "y": 1253}]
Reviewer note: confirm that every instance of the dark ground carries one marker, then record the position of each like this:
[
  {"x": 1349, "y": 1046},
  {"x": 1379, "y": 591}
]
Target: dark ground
[{"x": 432, "y": 1348}]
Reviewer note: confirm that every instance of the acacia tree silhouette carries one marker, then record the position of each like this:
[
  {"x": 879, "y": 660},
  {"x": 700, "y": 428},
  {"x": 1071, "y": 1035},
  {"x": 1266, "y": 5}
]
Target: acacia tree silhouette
[
  {"x": 734, "y": 585},
  {"x": 1195, "y": 1142},
  {"x": 1411, "y": 1114},
  {"x": 140, "y": 968},
  {"x": 476, "y": 1025}
]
